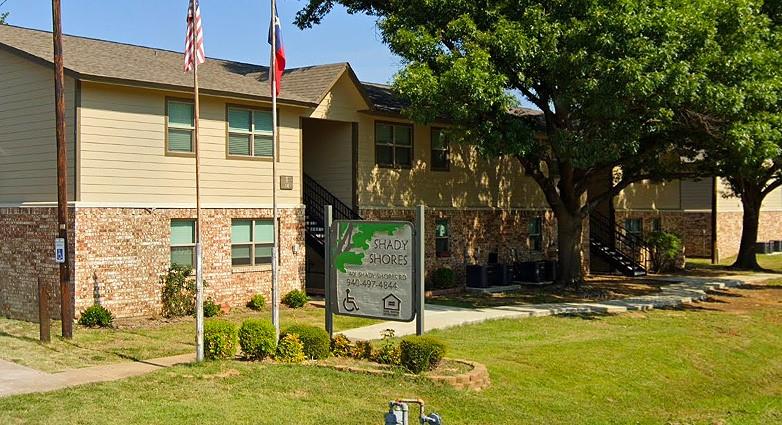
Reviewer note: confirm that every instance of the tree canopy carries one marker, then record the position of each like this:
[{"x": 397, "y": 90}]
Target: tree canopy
[{"x": 622, "y": 85}]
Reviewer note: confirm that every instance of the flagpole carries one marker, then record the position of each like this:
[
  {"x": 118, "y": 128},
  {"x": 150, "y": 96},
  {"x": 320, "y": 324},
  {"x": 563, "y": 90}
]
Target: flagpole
[
  {"x": 275, "y": 249},
  {"x": 199, "y": 266}
]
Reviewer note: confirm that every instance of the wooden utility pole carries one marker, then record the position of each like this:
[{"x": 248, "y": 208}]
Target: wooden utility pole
[{"x": 66, "y": 293}]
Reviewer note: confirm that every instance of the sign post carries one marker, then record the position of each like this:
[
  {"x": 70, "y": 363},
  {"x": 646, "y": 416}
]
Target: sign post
[
  {"x": 327, "y": 221},
  {"x": 420, "y": 226},
  {"x": 374, "y": 270}
]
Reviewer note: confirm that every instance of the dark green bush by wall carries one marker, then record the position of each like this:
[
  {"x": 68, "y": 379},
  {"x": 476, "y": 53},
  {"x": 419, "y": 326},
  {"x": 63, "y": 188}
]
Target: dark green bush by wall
[{"x": 421, "y": 353}]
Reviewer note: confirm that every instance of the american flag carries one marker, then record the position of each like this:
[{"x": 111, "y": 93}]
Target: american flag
[{"x": 194, "y": 24}]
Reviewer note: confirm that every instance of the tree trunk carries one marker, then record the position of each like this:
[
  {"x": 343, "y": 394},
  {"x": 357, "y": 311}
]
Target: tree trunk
[
  {"x": 751, "y": 202},
  {"x": 569, "y": 233}
]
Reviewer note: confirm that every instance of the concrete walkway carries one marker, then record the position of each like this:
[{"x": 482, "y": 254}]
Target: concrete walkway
[
  {"x": 16, "y": 379},
  {"x": 680, "y": 291}
]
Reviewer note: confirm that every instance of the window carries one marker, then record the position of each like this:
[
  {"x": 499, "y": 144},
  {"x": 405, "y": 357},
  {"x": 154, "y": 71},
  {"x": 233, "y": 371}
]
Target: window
[
  {"x": 250, "y": 133},
  {"x": 442, "y": 238},
  {"x": 394, "y": 145},
  {"x": 183, "y": 238},
  {"x": 534, "y": 234},
  {"x": 633, "y": 226},
  {"x": 180, "y": 126},
  {"x": 657, "y": 225},
  {"x": 251, "y": 242},
  {"x": 440, "y": 150}
]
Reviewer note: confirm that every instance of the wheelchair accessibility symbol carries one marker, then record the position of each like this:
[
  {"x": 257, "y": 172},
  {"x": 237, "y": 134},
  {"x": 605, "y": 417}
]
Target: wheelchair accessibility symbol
[{"x": 349, "y": 302}]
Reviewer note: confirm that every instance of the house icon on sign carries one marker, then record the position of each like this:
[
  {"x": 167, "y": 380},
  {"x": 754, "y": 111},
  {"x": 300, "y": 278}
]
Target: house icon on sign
[{"x": 392, "y": 305}]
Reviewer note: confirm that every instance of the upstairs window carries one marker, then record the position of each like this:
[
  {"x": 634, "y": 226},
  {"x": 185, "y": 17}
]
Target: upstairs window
[
  {"x": 394, "y": 145},
  {"x": 180, "y": 126},
  {"x": 534, "y": 234},
  {"x": 442, "y": 238},
  {"x": 251, "y": 242},
  {"x": 183, "y": 238},
  {"x": 440, "y": 150},
  {"x": 250, "y": 133}
]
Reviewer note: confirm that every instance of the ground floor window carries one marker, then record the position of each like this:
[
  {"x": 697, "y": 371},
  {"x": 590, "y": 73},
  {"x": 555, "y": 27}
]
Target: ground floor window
[
  {"x": 251, "y": 242},
  {"x": 657, "y": 225},
  {"x": 183, "y": 238},
  {"x": 634, "y": 226},
  {"x": 535, "y": 234},
  {"x": 442, "y": 238}
]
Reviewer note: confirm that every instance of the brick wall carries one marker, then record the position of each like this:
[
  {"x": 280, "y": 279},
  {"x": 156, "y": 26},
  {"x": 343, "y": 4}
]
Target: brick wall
[
  {"x": 693, "y": 227},
  {"x": 26, "y": 254},
  {"x": 476, "y": 233},
  {"x": 123, "y": 252},
  {"x": 729, "y": 225}
]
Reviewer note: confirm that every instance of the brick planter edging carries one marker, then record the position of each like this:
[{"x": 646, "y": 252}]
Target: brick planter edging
[{"x": 476, "y": 379}]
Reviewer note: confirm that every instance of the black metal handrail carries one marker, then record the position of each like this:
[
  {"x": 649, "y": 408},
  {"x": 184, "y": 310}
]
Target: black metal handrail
[
  {"x": 628, "y": 244},
  {"x": 316, "y": 197}
]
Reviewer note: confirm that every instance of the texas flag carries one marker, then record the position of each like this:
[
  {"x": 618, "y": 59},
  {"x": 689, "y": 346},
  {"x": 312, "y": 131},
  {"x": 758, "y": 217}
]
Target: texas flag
[{"x": 279, "y": 53}]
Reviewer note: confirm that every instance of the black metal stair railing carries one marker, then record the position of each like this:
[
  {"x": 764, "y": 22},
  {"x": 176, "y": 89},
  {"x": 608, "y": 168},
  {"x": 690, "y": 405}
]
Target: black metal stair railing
[
  {"x": 625, "y": 251},
  {"x": 316, "y": 197}
]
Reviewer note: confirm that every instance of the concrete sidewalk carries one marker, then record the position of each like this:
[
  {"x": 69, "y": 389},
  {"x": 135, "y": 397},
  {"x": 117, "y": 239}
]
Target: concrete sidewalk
[
  {"x": 680, "y": 291},
  {"x": 16, "y": 379}
]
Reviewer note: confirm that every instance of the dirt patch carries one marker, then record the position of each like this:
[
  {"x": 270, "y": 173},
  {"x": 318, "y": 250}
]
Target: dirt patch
[{"x": 745, "y": 299}]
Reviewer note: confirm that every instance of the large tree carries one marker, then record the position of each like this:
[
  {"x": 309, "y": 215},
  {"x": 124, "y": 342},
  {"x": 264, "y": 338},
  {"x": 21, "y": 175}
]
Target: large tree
[
  {"x": 619, "y": 84},
  {"x": 748, "y": 153}
]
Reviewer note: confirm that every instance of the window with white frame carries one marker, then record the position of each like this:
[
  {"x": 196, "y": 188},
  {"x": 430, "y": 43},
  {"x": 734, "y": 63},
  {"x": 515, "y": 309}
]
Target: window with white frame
[
  {"x": 250, "y": 133},
  {"x": 251, "y": 242}
]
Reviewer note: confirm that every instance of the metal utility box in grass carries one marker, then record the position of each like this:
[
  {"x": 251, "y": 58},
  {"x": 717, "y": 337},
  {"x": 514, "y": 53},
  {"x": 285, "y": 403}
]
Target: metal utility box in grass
[{"x": 374, "y": 269}]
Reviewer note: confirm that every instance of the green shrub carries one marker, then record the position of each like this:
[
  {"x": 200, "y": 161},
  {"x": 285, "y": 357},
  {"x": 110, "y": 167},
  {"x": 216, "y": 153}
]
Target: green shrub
[
  {"x": 96, "y": 316},
  {"x": 290, "y": 349},
  {"x": 178, "y": 291},
  {"x": 211, "y": 308},
  {"x": 220, "y": 339},
  {"x": 421, "y": 353},
  {"x": 295, "y": 299},
  {"x": 664, "y": 248},
  {"x": 317, "y": 344},
  {"x": 442, "y": 278},
  {"x": 258, "y": 339},
  {"x": 389, "y": 352},
  {"x": 363, "y": 350},
  {"x": 257, "y": 302},
  {"x": 342, "y": 346}
]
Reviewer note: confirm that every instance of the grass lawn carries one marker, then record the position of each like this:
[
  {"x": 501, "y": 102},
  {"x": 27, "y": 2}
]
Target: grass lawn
[
  {"x": 772, "y": 262},
  {"x": 131, "y": 340},
  {"x": 717, "y": 362}
]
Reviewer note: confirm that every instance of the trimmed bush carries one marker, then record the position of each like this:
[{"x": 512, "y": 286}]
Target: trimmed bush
[
  {"x": 257, "y": 302},
  {"x": 421, "y": 353},
  {"x": 257, "y": 339},
  {"x": 664, "y": 248},
  {"x": 96, "y": 316},
  {"x": 442, "y": 278},
  {"x": 220, "y": 339},
  {"x": 317, "y": 344},
  {"x": 211, "y": 308},
  {"x": 342, "y": 346},
  {"x": 290, "y": 349},
  {"x": 178, "y": 291},
  {"x": 295, "y": 299}
]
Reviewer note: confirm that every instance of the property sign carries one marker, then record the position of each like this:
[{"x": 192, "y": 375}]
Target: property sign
[
  {"x": 59, "y": 250},
  {"x": 373, "y": 270}
]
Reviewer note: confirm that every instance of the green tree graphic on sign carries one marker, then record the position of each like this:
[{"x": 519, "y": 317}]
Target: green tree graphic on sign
[{"x": 353, "y": 241}]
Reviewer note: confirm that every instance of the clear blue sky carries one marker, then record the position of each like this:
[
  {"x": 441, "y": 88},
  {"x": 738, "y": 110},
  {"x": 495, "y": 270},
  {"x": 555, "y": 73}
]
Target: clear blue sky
[{"x": 233, "y": 29}]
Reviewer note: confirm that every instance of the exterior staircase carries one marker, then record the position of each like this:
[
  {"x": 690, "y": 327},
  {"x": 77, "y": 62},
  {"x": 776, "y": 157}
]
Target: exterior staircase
[
  {"x": 626, "y": 253},
  {"x": 316, "y": 197}
]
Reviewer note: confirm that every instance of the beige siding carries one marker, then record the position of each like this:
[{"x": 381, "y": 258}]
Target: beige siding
[
  {"x": 727, "y": 202},
  {"x": 123, "y": 158},
  {"x": 647, "y": 195},
  {"x": 696, "y": 195},
  {"x": 328, "y": 156},
  {"x": 28, "y": 150}
]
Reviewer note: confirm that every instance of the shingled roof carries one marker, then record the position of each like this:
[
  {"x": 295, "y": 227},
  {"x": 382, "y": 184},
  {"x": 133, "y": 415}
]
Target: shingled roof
[{"x": 99, "y": 60}]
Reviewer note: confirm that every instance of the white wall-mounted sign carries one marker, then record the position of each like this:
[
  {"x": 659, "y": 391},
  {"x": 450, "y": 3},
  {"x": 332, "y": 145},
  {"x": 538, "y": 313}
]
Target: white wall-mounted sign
[{"x": 59, "y": 250}]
